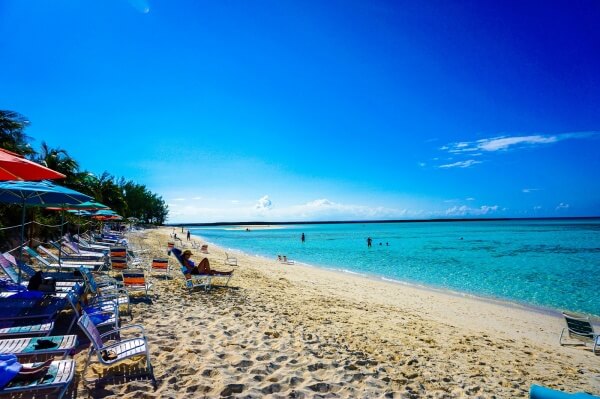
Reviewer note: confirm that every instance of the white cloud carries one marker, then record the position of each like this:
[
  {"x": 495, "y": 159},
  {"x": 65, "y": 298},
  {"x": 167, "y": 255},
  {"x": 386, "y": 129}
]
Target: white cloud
[
  {"x": 537, "y": 207},
  {"x": 461, "y": 164},
  {"x": 178, "y": 199},
  {"x": 234, "y": 201},
  {"x": 530, "y": 190},
  {"x": 197, "y": 198},
  {"x": 464, "y": 210},
  {"x": 504, "y": 143},
  {"x": 469, "y": 199},
  {"x": 422, "y": 164},
  {"x": 562, "y": 205},
  {"x": 264, "y": 203}
]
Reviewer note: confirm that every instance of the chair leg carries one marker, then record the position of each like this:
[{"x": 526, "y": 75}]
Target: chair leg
[{"x": 561, "y": 337}]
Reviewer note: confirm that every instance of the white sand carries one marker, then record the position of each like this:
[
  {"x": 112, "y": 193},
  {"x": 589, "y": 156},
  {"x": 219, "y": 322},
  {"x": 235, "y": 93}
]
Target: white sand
[{"x": 298, "y": 331}]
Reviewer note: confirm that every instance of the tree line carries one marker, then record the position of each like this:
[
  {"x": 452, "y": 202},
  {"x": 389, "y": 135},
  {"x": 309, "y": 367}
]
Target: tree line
[{"x": 126, "y": 197}]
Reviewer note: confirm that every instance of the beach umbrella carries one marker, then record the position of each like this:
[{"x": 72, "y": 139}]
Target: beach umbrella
[
  {"x": 43, "y": 193},
  {"x": 15, "y": 167}
]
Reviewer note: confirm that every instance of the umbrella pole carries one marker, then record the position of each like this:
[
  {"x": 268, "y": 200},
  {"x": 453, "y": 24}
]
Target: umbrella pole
[
  {"x": 62, "y": 220},
  {"x": 22, "y": 241}
]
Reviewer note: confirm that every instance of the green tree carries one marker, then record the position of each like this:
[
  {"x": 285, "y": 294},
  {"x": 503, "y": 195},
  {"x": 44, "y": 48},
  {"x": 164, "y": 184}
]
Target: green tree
[{"x": 12, "y": 135}]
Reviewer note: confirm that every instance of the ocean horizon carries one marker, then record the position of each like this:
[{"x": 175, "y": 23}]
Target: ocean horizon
[{"x": 543, "y": 263}]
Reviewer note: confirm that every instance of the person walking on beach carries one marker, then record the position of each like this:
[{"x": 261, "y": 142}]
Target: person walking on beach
[
  {"x": 303, "y": 238},
  {"x": 369, "y": 242},
  {"x": 188, "y": 235}
]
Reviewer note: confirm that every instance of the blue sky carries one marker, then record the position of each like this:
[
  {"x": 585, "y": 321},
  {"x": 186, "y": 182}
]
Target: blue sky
[{"x": 281, "y": 110}]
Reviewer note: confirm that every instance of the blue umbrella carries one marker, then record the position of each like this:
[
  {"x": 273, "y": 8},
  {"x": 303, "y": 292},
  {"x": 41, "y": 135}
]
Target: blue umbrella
[{"x": 43, "y": 193}]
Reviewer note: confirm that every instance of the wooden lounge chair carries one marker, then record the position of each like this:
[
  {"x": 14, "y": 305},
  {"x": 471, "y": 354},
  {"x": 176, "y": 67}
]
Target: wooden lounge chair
[
  {"x": 33, "y": 346},
  {"x": 581, "y": 329},
  {"x": 117, "y": 349},
  {"x": 58, "y": 377},
  {"x": 204, "y": 248}
]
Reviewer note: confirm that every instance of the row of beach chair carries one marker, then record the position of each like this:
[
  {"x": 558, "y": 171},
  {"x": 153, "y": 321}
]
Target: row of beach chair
[{"x": 27, "y": 318}]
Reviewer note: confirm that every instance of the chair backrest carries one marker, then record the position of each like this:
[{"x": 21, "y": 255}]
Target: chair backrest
[
  {"x": 37, "y": 256},
  {"x": 118, "y": 263},
  {"x": 72, "y": 246},
  {"x": 134, "y": 278},
  {"x": 118, "y": 252},
  {"x": 47, "y": 252},
  {"x": 170, "y": 245},
  {"x": 160, "y": 265},
  {"x": 204, "y": 247},
  {"x": 9, "y": 269},
  {"x": 177, "y": 253},
  {"x": 89, "y": 280},
  {"x": 90, "y": 330},
  {"x": 579, "y": 325}
]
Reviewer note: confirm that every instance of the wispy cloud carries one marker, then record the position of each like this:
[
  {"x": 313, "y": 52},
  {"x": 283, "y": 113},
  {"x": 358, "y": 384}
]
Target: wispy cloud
[
  {"x": 505, "y": 143},
  {"x": 562, "y": 205},
  {"x": 469, "y": 199},
  {"x": 530, "y": 190},
  {"x": 178, "y": 199},
  {"x": 464, "y": 210},
  {"x": 197, "y": 198},
  {"x": 140, "y": 5},
  {"x": 461, "y": 164}
]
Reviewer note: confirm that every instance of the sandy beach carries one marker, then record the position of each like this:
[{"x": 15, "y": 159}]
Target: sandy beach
[{"x": 296, "y": 331}]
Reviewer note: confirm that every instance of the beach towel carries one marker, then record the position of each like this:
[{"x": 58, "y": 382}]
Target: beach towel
[{"x": 9, "y": 368}]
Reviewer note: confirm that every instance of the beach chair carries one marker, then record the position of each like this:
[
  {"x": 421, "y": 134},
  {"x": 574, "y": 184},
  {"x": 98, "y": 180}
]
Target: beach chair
[
  {"x": 44, "y": 264},
  {"x": 22, "y": 329},
  {"x": 230, "y": 260},
  {"x": 204, "y": 248},
  {"x": 58, "y": 377},
  {"x": 538, "y": 392},
  {"x": 106, "y": 291},
  {"x": 34, "y": 346},
  {"x": 117, "y": 349},
  {"x": 581, "y": 329},
  {"x": 68, "y": 251},
  {"x": 62, "y": 285},
  {"x": 78, "y": 261},
  {"x": 160, "y": 266},
  {"x": 199, "y": 280},
  {"x": 134, "y": 280}
]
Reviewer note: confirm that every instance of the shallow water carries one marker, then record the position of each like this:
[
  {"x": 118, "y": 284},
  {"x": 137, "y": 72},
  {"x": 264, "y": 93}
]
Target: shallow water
[{"x": 547, "y": 263}]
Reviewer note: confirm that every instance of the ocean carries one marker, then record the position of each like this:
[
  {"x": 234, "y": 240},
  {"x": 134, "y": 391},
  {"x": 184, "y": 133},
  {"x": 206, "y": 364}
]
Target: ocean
[{"x": 550, "y": 264}]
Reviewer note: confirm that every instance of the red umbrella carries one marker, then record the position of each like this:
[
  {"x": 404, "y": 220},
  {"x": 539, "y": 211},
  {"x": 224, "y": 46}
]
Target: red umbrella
[{"x": 15, "y": 167}]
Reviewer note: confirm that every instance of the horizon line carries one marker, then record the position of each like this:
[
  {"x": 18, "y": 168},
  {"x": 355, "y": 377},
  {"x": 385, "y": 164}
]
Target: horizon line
[{"x": 378, "y": 221}]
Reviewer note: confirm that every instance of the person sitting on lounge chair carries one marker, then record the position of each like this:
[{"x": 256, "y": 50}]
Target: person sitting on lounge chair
[{"x": 202, "y": 268}]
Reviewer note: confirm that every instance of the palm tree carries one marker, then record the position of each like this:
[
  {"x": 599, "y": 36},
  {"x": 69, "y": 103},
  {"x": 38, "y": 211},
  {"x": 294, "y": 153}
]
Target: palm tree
[
  {"x": 59, "y": 160},
  {"x": 12, "y": 136}
]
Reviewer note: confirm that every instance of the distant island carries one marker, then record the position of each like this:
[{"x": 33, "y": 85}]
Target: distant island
[{"x": 378, "y": 221}]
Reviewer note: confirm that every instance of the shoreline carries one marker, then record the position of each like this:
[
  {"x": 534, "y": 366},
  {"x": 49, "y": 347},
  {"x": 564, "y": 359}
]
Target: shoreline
[{"x": 548, "y": 311}]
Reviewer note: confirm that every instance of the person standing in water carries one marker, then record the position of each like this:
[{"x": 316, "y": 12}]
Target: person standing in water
[
  {"x": 302, "y": 238},
  {"x": 369, "y": 242}
]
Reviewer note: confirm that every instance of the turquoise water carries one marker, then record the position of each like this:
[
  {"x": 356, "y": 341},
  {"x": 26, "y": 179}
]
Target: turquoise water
[{"x": 551, "y": 263}]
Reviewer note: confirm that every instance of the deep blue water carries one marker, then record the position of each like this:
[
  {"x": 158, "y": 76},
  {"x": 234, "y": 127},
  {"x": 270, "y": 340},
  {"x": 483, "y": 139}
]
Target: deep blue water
[{"x": 551, "y": 263}]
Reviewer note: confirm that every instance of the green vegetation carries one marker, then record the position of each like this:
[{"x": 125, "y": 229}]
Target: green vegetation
[{"x": 127, "y": 198}]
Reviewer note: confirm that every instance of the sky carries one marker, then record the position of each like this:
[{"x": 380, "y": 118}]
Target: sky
[{"x": 318, "y": 110}]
